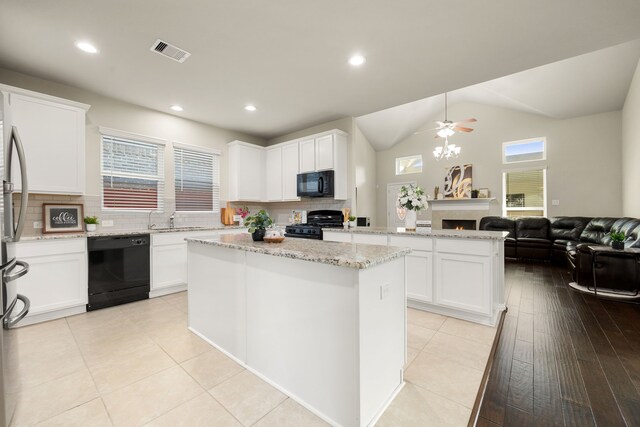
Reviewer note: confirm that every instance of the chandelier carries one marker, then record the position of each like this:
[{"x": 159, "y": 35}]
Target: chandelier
[{"x": 447, "y": 151}]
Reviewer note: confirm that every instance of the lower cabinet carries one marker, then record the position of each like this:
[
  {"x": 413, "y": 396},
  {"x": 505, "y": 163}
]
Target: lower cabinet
[
  {"x": 169, "y": 259},
  {"x": 457, "y": 277},
  {"x": 56, "y": 283}
]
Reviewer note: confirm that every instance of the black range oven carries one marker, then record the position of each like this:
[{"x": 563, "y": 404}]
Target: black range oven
[
  {"x": 119, "y": 270},
  {"x": 316, "y": 222}
]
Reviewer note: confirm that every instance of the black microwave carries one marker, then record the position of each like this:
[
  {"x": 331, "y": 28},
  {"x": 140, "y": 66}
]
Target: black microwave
[{"x": 315, "y": 184}]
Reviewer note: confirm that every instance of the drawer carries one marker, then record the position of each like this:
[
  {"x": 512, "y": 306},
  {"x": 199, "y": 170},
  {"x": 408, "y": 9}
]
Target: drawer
[
  {"x": 370, "y": 239},
  {"x": 417, "y": 243},
  {"x": 464, "y": 246},
  {"x": 51, "y": 247},
  {"x": 336, "y": 237}
]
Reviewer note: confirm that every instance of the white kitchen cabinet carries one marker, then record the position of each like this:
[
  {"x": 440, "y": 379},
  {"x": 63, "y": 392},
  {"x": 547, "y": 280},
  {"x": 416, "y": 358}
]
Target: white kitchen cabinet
[
  {"x": 274, "y": 174},
  {"x": 246, "y": 172},
  {"x": 419, "y": 266},
  {"x": 370, "y": 239},
  {"x": 307, "y": 155},
  {"x": 333, "y": 236},
  {"x": 290, "y": 170},
  {"x": 169, "y": 259},
  {"x": 56, "y": 283},
  {"x": 325, "y": 152},
  {"x": 466, "y": 269},
  {"x": 52, "y": 131}
]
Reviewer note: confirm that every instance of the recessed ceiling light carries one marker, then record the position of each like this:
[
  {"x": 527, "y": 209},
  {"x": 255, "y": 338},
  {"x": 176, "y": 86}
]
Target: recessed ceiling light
[
  {"x": 357, "y": 60},
  {"x": 176, "y": 108},
  {"x": 86, "y": 47},
  {"x": 250, "y": 107}
]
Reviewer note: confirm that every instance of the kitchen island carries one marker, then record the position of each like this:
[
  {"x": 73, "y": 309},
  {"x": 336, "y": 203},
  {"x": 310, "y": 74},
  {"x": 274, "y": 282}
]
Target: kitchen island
[
  {"x": 323, "y": 322},
  {"x": 457, "y": 273}
]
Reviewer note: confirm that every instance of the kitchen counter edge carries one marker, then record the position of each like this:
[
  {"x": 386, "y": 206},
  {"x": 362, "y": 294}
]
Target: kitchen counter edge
[
  {"x": 457, "y": 234},
  {"x": 126, "y": 233}
]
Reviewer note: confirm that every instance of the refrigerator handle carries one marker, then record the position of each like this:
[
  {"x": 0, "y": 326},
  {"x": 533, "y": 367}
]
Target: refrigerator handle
[
  {"x": 24, "y": 199},
  {"x": 11, "y": 277},
  {"x": 12, "y": 321}
]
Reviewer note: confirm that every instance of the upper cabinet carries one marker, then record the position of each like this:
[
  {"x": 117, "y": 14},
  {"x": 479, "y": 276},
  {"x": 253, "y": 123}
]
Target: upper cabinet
[
  {"x": 246, "y": 172},
  {"x": 274, "y": 173},
  {"x": 52, "y": 131},
  {"x": 290, "y": 171},
  {"x": 270, "y": 174}
]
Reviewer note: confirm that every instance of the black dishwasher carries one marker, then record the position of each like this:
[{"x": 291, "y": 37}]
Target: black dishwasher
[{"x": 118, "y": 270}]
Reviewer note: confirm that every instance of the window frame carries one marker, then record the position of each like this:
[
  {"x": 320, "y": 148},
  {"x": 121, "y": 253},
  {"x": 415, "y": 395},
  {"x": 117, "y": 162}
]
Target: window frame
[
  {"x": 200, "y": 149},
  {"x": 543, "y": 139},
  {"x": 505, "y": 209},
  {"x": 145, "y": 139},
  {"x": 414, "y": 156}
]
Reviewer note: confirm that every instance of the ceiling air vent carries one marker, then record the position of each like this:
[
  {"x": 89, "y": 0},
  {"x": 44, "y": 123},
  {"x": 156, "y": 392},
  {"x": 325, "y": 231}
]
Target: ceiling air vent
[{"x": 170, "y": 51}]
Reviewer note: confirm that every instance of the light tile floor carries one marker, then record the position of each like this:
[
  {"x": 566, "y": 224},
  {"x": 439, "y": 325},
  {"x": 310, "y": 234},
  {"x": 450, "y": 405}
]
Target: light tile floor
[{"x": 138, "y": 365}]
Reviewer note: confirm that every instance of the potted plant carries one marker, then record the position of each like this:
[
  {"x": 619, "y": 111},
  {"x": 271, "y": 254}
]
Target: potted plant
[
  {"x": 91, "y": 222},
  {"x": 352, "y": 221},
  {"x": 617, "y": 240},
  {"x": 242, "y": 214},
  {"x": 257, "y": 224},
  {"x": 412, "y": 199}
]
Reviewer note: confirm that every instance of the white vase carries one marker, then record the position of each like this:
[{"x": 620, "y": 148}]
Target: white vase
[
  {"x": 91, "y": 227},
  {"x": 410, "y": 220}
]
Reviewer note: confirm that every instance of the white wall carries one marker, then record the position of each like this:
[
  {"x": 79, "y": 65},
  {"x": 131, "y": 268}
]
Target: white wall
[
  {"x": 364, "y": 175},
  {"x": 583, "y": 158},
  {"x": 631, "y": 149}
]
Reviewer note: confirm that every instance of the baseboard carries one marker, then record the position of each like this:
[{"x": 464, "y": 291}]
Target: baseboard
[
  {"x": 484, "y": 319},
  {"x": 52, "y": 315},
  {"x": 168, "y": 290}
]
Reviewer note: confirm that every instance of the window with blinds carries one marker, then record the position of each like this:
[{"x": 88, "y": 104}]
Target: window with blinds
[
  {"x": 525, "y": 193},
  {"x": 132, "y": 174},
  {"x": 197, "y": 180}
]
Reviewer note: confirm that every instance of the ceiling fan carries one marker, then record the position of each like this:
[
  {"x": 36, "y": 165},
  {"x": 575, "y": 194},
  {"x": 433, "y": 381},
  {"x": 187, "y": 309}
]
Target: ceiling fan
[{"x": 446, "y": 127}]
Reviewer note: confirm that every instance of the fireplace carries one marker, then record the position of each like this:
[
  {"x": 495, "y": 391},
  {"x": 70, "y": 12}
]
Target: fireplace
[{"x": 458, "y": 224}]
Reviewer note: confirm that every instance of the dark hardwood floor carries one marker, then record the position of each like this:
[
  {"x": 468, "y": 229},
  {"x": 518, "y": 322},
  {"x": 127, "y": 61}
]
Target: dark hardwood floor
[{"x": 563, "y": 358}]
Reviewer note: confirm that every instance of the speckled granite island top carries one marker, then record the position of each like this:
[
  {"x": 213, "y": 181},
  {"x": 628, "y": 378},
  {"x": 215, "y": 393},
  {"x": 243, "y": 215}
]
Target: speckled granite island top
[
  {"x": 424, "y": 232},
  {"x": 340, "y": 254}
]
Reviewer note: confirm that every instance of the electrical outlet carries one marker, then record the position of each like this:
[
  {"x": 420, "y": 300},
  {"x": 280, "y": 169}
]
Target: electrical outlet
[
  {"x": 384, "y": 290},
  {"x": 37, "y": 224},
  {"x": 107, "y": 223},
  {"x": 555, "y": 202}
]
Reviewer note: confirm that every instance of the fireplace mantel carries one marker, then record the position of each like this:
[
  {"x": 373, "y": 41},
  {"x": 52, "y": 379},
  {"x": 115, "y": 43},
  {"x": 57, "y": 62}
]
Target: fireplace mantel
[{"x": 461, "y": 204}]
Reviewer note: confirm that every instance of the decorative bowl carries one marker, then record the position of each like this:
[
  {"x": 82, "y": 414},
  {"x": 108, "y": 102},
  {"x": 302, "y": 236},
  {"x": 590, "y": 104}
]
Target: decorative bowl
[{"x": 277, "y": 239}]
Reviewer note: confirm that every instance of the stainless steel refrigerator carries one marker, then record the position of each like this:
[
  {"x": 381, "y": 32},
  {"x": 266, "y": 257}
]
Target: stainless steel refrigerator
[{"x": 10, "y": 268}]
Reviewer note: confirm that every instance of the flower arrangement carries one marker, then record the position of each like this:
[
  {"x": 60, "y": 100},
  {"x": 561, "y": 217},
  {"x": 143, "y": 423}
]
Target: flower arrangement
[
  {"x": 412, "y": 197},
  {"x": 243, "y": 212}
]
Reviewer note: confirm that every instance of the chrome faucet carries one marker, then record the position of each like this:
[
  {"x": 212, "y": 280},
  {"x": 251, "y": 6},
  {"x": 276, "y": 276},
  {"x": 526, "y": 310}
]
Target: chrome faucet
[
  {"x": 150, "y": 226},
  {"x": 172, "y": 220}
]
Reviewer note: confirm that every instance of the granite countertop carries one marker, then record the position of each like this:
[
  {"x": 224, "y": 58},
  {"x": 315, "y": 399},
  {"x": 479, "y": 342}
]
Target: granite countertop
[
  {"x": 425, "y": 232},
  {"x": 102, "y": 233},
  {"x": 350, "y": 255}
]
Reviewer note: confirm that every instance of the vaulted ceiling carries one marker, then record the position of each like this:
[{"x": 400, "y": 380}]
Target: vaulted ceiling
[{"x": 290, "y": 58}]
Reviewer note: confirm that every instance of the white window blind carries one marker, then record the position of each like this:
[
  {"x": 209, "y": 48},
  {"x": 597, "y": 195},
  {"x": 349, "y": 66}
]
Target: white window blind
[
  {"x": 197, "y": 180},
  {"x": 132, "y": 174},
  {"x": 525, "y": 193}
]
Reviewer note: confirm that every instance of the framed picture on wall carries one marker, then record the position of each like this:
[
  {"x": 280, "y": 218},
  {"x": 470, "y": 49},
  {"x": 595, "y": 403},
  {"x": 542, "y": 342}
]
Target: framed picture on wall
[{"x": 62, "y": 218}]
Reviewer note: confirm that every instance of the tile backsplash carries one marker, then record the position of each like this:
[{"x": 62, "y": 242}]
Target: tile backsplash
[{"x": 127, "y": 221}]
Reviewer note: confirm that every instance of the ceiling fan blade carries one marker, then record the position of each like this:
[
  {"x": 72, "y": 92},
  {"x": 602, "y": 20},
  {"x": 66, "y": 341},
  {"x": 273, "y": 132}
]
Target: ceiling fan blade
[
  {"x": 471, "y": 120},
  {"x": 462, "y": 129}
]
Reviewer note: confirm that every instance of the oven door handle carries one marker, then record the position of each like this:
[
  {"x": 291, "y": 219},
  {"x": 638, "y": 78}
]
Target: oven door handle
[
  {"x": 11, "y": 277},
  {"x": 12, "y": 321}
]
